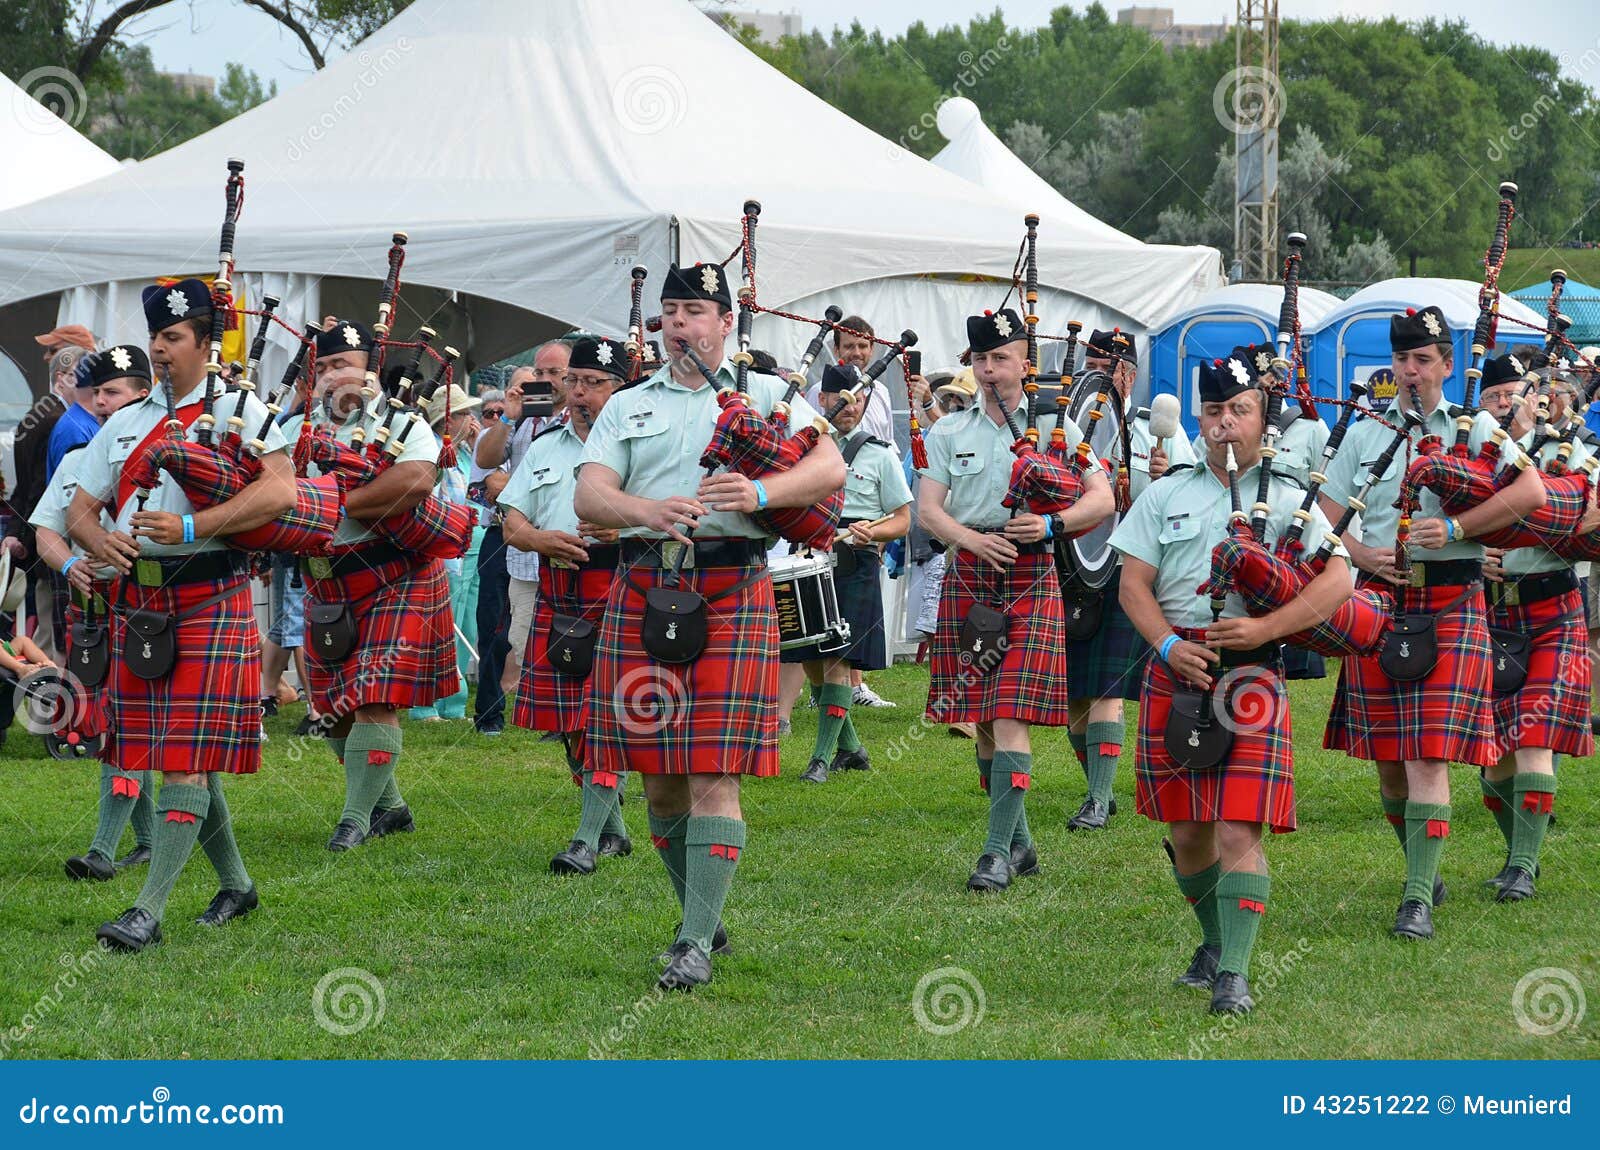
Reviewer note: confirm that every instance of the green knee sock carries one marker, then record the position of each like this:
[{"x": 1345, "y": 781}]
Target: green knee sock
[
  {"x": 1530, "y": 812},
  {"x": 115, "y": 809},
  {"x": 848, "y": 739},
  {"x": 1241, "y": 905},
  {"x": 216, "y": 839},
  {"x": 614, "y": 824},
  {"x": 1008, "y": 787},
  {"x": 712, "y": 846},
  {"x": 390, "y": 798},
  {"x": 1427, "y": 826},
  {"x": 1394, "y": 810},
  {"x": 833, "y": 712},
  {"x": 985, "y": 769},
  {"x": 1080, "y": 748},
  {"x": 666, "y": 832},
  {"x": 370, "y": 755},
  {"x": 599, "y": 801},
  {"x": 1102, "y": 767},
  {"x": 1498, "y": 798},
  {"x": 1200, "y": 889},
  {"x": 183, "y": 806},
  {"x": 144, "y": 809}
]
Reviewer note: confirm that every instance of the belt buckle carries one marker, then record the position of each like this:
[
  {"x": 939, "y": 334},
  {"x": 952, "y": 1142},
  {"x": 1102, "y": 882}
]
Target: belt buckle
[
  {"x": 319, "y": 566},
  {"x": 671, "y": 549},
  {"x": 1511, "y": 594},
  {"x": 147, "y": 572},
  {"x": 1416, "y": 576}
]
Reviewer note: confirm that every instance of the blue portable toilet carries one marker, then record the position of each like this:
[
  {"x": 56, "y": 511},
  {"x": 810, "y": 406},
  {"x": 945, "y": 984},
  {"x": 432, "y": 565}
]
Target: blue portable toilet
[
  {"x": 1217, "y": 323},
  {"x": 1353, "y": 341}
]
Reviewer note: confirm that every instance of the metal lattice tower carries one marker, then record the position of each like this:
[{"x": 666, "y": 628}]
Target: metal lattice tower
[{"x": 1257, "y": 111}]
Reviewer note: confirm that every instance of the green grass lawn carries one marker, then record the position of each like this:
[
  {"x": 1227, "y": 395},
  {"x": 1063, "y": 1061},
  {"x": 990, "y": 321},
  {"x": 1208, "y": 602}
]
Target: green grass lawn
[
  {"x": 847, "y": 895},
  {"x": 1526, "y": 266}
]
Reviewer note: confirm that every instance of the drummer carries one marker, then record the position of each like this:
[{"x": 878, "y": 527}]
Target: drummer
[{"x": 877, "y": 509}]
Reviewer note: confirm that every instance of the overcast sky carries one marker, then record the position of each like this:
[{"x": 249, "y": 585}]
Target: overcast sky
[{"x": 202, "y": 35}]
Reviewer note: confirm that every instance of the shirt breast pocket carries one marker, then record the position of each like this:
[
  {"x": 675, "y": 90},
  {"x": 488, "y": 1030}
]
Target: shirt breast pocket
[
  {"x": 966, "y": 463},
  {"x": 642, "y": 426},
  {"x": 862, "y": 486},
  {"x": 1176, "y": 530}
]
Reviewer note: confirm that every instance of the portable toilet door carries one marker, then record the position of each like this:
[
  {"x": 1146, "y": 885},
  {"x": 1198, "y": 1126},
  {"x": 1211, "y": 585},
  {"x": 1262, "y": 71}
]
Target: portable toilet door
[{"x": 1207, "y": 337}]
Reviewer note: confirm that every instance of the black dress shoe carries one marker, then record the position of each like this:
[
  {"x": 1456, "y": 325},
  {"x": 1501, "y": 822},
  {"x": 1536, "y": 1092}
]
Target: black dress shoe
[
  {"x": 269, "y": 707},
  {"x": 133, "y": 930},
  {"x": 1414, "y": 920},
  {"x": 1112, "y": 809},
  {"x": 138, "y": 856},
  {"x": 1230, "y": 994},
  {"x": 346, "y": 835},
  {"x": 578, "y": 858},
  {"x": 1024, "y": 861},
  {"x": 394, "y": 821},
  {"x": 615, "y": 846},
  {"x": 302, "y": 729},
  {"x": 1440, "y": 891},
  {"x": 1499, "y": 880},
  {"x": 856, "y": 760},
  {"x": 93, "y": 866},
  {"x": 1090, "y": 817},
  {"x": 229, "y": 905},
  {"x": 993, "y": 873},
  {"x": 1202, "y": 972},
  {"x": 1518, "y": 886},
  {"x": 816, "y": 771},
  {"x": 719, "y": 944},
  {"x": 687, "y": 967}
]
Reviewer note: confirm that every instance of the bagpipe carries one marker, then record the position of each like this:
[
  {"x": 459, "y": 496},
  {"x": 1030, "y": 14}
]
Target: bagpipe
[
  {"x": 1269, "y": 579},
  {"x": 1462, "y": 481},
  {"x": 212, "y": 473},
  {"x": 434, "y": 528}
]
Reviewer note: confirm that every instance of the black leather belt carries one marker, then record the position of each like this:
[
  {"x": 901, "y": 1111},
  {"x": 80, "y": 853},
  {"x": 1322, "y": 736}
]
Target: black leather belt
[
  {"x": 361, "y": 557},
  {"x": 1530, "y": 588},
  {"x": 602, "y": 557},
  {"x": 1445, "y": 572},
  {"x": 726, "y": 551},
  {"x": 1042, "y": 547},
  {"x": 199, "y": 567},
  {"x": 1269, "y": 653}
]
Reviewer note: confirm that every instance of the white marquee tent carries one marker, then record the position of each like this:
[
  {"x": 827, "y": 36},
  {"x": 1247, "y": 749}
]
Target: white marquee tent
[
  {"x": 44, "y": 154},
  {"x": 534, "y": 152}
]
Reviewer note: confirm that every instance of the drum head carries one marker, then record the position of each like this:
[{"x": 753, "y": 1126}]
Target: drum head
[{"x": 1089, "y": 558}]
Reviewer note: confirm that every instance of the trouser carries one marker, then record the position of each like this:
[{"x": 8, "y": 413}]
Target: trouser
[{"x": 494, "y": 623}]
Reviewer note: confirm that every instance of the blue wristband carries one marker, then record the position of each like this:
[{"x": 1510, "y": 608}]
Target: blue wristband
[
  {"x": 1049, "y": 528},
  {"x": 188, "y": 528},
  {"x": 1166, "y": 646},
  {"x": 67, "y": 566},
  {"x": 761, "y": 494}
]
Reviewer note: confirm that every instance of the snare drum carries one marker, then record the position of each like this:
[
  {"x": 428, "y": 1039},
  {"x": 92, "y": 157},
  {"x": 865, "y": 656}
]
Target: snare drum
[{"x": 808, "y": 603}]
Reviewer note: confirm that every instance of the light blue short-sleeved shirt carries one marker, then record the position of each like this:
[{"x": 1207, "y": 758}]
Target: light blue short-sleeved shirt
[
  {"x": 1178, "y": 522},
  {"x": 420, "y": 445},
  {"x": 1532, "y": 560},
  {"x": 875, "y": 482},
  {"x": 971, "y": 455},
  {"x": 1358, "y": 455},
  {"x": 100, "y": 470},
  {"x": 653, "y": 434},
  {"x": 50, "y": 512},
  {"x": 544, "y": 483}
]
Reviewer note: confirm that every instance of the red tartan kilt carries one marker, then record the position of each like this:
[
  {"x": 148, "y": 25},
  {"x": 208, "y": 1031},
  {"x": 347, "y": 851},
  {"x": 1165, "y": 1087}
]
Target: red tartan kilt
[
  {"x": 405, "y": 652},
  {"x": 1256, "y": 782},
  {"x": 547, "y": 700},
  {"x": 1445, "y": 716},
  {"x": 205, "y": 714},
  {"x": 89, "y": 717},
  {"x": 1030, "y": 684},
  {"x": 1552, "y": 707},
  {"x": 716, "y": 715}
]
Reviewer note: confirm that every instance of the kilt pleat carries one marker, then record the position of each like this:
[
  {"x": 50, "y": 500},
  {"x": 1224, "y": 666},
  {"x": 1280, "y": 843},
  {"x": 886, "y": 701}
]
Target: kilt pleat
[
  {"x": 1552, "y": 707},
  {"x": 1111, "y": 661},
  {"x": 716, "y": 715},
  {"x": 1445, "y": 716},
  {"x": 405, "y": 651},
  {"x": 1255, "y": 784},
  {"x": 205, "y": 714},
  {"x": 546, "y": 699},
  {"x": 1030, "y": 683}
]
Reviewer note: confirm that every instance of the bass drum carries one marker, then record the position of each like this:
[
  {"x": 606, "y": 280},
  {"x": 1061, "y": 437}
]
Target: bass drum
[{"x": 1096, "y": 408}]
